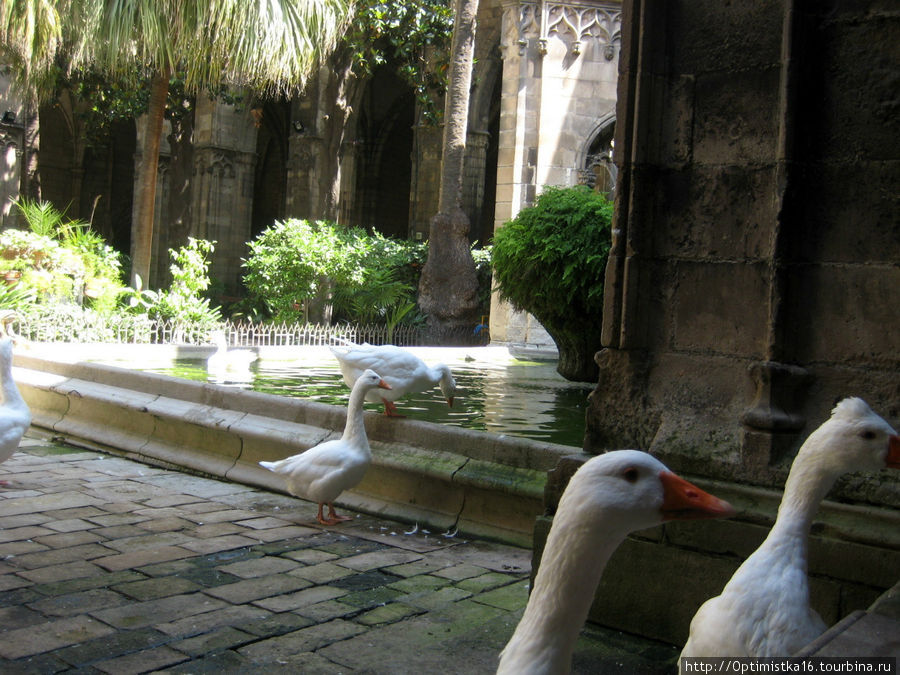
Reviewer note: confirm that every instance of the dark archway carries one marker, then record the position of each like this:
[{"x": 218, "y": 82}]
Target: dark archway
[
  {"x": 384, "y": 155},
  {"x": 270, "y": 180},
  {"x": 597, "y": 168}
]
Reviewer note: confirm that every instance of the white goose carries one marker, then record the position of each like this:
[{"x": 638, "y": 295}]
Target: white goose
[
  {"x": 610, "y": 496},
  {"x": 14, "y": 413},
  {"x": 764, "y": 609},
  {"x": 323, "y": 472},
  {"x": 224, "y": 361},
  {"x": 404, "y": 371}
]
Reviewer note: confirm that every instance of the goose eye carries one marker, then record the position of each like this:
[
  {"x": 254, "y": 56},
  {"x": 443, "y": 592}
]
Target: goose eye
[
  {"x": 868, "y": 435},
  {"x": 630, "y": 474}
]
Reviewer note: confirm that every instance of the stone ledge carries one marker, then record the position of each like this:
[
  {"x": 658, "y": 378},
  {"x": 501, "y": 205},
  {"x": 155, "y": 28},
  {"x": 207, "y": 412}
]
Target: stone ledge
[
  {"x": 481, "y": 483},
  {"x": 870, "y": 633}
]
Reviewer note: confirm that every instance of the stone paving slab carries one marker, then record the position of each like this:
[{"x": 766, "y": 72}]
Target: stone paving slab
[{"x": 112, "y": 566}]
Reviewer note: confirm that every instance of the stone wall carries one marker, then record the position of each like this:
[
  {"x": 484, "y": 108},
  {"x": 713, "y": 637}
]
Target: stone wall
[
  {"x": 752, "y": 279},
  {"x": 12, "y": 136},
  {"x": 754, "y": 265}
]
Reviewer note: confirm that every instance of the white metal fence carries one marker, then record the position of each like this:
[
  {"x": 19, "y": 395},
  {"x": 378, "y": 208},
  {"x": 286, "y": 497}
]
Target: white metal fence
[{"x": 82, "y": 327}]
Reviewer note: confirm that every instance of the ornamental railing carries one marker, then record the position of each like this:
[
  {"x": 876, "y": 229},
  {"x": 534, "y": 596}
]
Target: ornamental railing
[{"x": 62, "y": 326}]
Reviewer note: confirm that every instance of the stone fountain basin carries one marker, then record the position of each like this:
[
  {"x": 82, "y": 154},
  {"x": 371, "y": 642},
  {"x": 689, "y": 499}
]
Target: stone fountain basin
[{"x": 438, "y": 476}]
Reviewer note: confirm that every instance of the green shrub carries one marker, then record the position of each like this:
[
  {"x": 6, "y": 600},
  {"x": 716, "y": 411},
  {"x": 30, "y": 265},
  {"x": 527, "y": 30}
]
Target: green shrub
[
  {"x": 300, "y": 268},
  {"x": 183, "y": 301},
  {"x": 550, "y": 261},
  {"x": 61, "y": 260},
  {"x": 386, "y": 291},
  {"x": 16, "y": 297},
  {"x": 482, "y": 258}
]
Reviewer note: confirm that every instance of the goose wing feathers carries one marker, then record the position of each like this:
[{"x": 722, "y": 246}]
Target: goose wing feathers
[
  {"x": 404, "y": 371},
  {"x": 321, "y": 473}
]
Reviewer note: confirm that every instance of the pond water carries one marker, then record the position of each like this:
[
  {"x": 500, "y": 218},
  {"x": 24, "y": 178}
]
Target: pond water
[{"x": 499, "y": 394}]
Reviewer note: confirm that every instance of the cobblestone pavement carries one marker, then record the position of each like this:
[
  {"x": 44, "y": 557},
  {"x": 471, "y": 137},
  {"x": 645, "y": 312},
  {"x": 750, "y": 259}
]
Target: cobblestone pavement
[{"x": 112, "y": 566}]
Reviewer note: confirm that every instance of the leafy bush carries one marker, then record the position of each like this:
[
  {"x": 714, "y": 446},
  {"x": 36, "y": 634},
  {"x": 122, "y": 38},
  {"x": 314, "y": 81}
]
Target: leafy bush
[
  {"x": 61, "y": 260},
  {"x": 183, "y": 301},
  {"x": 550, "y": 261},
  {"x": 482, "y": 258},
  {"x": 16, "y": 297},
  {"x": 298, "y": 267}
]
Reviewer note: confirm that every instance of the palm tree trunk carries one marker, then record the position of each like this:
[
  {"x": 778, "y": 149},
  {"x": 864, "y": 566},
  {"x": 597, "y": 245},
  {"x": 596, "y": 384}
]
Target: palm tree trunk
[
  {"x": 145, "y": 183},
  {"x": 448, "y": 289},
  {"x": 30, "y": 178}
]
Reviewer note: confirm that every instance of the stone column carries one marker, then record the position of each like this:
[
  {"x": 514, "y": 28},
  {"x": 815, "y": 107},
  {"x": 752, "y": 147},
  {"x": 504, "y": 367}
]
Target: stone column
[
  {"x": 426, "y": 179},
  {"x": 224, "y": 161},
  {"x": 12, "y": 144},
  {"x": 560, "y": 64},
  {"x": 11, "y": 138}
]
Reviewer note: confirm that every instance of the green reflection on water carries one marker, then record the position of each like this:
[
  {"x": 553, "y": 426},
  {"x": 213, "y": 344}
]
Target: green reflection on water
[{"x": 525, "y": 398}]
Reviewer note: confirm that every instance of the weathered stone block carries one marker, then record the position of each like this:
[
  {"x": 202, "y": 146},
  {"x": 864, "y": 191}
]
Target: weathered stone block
[
  {"x": 855, "y": 106},
  {"x": 698, "y": 227},
  {"x": 735, "y": 125},
  {"x": 849, "y": 300},
  {"x": 719, "y": 307},
  {"x": 715, "y": 36},
  {"x": 654, "y": 590}
]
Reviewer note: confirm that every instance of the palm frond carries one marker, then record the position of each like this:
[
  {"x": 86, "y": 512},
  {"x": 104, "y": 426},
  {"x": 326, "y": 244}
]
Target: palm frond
[
  {"x": 31, "y": 33},
  {"x": 270, "y": 46}
]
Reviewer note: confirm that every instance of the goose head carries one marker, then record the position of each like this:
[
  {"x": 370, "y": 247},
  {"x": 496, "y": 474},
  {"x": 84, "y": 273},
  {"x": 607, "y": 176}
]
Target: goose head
[
  {"x": 447, "y": 384},
  {"x": 637, "y": 491},
  {"x": 7, "y": 318},
  {"x": 371, "y": 380},
  {"x": 854, "y": 439}
]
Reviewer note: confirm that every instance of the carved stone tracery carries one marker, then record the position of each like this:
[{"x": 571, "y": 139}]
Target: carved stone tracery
[{"x": 573, "y": 23}]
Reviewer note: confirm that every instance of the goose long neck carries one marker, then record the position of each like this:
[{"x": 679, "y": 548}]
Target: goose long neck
[
  {"x": 355, "y": 426},
  {"x": 437, "y": 373},
  {"x": 11, "y": 396},
  {"x": 806, "y": 486},
  {"x": 571, "y": 567}
]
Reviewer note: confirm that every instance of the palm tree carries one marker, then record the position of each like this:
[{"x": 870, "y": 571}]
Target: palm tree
[
  {"x": 267, "y": 46},
  {"x": 448, "y": 289}
]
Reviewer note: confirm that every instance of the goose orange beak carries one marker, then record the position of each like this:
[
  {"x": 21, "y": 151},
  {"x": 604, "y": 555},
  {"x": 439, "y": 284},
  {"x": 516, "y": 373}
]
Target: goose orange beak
[
  {"x": 893, "y": 458},
  {"x": 384, "y": 385},
  {"x": 685, "y": 501}
]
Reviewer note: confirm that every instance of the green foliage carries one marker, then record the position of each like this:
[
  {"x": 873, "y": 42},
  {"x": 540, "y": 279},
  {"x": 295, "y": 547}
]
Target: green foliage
[
  {"x": 293, "y": 261},
  {"x": 183, "y": 301},
  {"x": 414, "y": 36},
  {"x": 368, "y": 277},
  {"x": 482, "y": 258},
  {"x": 42, "y": 217},
  {"x": 550, "y": 259},
  {"x": 61, "y": 260},
  {"x": 16, "y": 297},
  {"x": 108, "y": 101},
  {"x": 379, "y": 295}
]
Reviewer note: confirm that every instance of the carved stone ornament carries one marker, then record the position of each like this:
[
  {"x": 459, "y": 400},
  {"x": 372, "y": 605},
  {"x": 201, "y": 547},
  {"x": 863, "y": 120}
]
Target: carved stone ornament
[
  {"x": 218, "y": 163},
  {"x": 574, "y": 23}
]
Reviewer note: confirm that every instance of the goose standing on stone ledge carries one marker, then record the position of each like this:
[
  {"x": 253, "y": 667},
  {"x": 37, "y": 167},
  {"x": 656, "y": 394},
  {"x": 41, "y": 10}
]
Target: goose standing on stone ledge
[
  {"x": 323, "y": 472},
  {"x": 610, "y": 496},
  {"x": 764, "y": 609},
  {"x": 404, "y": 371},
  {"x": 15, "y": 417}
]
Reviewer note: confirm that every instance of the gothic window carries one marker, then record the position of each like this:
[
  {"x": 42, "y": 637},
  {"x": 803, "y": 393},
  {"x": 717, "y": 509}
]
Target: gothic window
[{"x": 598, "y": 170}]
